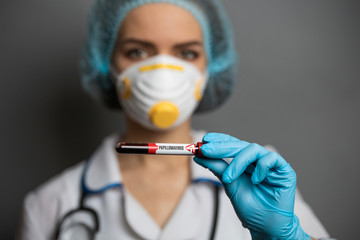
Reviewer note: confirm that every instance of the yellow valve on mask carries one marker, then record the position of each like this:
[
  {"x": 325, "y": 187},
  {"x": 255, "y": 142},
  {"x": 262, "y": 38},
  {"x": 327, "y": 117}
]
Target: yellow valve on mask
[{"x": 163, "y": 114}]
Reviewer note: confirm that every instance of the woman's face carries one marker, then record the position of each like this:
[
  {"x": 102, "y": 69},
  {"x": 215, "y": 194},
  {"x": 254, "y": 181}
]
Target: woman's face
[{"x": 159, "y": 28}]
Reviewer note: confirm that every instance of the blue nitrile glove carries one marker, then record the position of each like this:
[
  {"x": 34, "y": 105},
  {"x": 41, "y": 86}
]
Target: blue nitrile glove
[{"x": 260, "y": 184}]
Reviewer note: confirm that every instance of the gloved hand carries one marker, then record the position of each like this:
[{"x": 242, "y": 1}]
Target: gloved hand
[{"x": 260, "y": 184}]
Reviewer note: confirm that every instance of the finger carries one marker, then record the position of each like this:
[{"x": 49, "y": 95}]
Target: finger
[
  {"x": 223, "y": 149},
  {"x": 216, "y": 166},
  {"x": 242, "y": 160},
  {"x": 219, "y": 137},
  {"x": 266, "y": 163}
]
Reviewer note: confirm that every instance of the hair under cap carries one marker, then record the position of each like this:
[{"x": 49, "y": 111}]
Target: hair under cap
[{"x": 106, "y": 17}]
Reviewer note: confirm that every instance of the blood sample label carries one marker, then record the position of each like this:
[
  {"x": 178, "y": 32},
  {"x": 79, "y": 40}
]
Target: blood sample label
[{"x": 172, "y": 148}]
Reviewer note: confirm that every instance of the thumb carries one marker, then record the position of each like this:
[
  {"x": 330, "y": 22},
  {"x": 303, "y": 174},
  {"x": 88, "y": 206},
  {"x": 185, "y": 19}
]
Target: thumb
[{"x": 216, "y": 166}]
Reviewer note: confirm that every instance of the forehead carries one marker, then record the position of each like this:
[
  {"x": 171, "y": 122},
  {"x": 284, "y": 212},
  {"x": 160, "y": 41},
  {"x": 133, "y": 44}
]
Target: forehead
[{"x": 163, "y": 21}]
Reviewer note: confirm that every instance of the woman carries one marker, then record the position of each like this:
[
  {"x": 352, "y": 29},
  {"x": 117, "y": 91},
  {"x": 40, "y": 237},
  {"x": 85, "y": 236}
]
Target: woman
[{"x": 161, "y": 61}]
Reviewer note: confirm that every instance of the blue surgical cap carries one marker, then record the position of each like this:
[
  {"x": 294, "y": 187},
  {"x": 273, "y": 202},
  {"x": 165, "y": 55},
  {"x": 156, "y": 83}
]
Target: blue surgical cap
[{"x": 106, "y": 17}]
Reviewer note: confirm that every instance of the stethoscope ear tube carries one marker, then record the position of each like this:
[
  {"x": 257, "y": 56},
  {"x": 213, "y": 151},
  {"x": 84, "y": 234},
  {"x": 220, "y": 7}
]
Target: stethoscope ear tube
[{"x": 216, "y": 212}]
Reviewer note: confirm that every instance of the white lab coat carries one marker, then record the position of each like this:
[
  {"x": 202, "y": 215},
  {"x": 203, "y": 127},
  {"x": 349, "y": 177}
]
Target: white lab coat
[{"x": 122, "y": 217}]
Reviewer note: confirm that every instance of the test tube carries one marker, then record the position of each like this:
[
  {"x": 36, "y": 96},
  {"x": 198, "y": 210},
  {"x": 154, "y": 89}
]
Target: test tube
[{"x": 160, "y": 148}]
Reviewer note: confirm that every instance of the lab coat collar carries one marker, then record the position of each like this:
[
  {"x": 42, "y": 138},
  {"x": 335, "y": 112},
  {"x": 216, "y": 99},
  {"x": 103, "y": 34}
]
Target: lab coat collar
[
  {"x": 102, "y": 171},
  {"x": 184, "y": 222}
]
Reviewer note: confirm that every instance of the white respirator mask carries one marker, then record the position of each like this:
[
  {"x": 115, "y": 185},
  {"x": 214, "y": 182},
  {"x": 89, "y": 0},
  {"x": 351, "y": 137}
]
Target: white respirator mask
[{"x": 161, "y": 92}]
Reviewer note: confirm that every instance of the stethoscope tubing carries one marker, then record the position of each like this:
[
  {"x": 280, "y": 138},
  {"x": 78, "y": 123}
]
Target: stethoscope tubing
[{"x": 96, "y": 217}]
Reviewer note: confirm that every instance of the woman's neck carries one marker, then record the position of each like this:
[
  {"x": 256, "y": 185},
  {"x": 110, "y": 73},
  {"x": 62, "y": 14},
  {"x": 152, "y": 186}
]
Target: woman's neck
[{"x": 138, "y": 133}]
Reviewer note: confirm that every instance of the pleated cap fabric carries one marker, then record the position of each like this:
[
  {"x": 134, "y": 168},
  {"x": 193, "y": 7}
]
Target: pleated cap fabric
[{"x": 105, "y": 19}]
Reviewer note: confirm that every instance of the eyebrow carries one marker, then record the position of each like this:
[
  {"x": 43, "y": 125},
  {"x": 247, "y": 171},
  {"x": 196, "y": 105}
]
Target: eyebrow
[
  {"x": 137, "y": 41},
  {"x": 188, "y": 44},
  {"x": 151, "y": 45}
]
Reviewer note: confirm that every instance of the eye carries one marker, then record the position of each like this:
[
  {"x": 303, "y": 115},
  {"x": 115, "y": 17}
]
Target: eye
[
  {"x": 136, "y": 54},
  {"x": 188, "y": 55}
]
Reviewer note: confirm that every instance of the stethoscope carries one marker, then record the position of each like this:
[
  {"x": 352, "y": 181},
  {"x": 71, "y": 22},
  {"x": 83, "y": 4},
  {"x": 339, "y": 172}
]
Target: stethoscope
[{"x": 74, "y": 220}]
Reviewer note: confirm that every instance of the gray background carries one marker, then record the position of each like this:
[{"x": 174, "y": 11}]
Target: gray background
[{"x": 298, "y": 90}]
